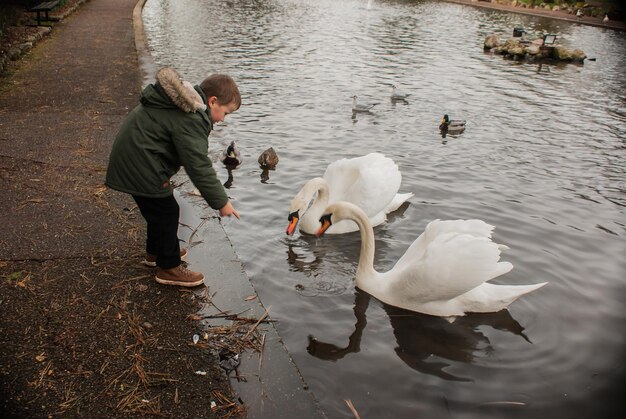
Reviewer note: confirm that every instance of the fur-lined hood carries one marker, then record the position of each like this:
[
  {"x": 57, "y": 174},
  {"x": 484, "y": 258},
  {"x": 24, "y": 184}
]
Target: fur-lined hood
[
  {"x": 169, "y": 128},
  {"x": 182, "y": 93}
]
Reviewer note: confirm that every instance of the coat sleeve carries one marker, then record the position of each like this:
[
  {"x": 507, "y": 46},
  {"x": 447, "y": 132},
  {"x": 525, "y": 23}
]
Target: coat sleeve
[{"x": 192, "y": 144}]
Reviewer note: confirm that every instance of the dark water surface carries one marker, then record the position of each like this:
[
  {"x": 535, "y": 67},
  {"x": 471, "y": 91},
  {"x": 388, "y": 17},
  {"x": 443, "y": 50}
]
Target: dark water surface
[{"x": 542, "y": 159}]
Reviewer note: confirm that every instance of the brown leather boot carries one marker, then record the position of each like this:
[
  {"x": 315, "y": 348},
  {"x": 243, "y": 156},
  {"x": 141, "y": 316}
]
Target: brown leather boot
[
  {"x": 180, "y": 276},
  {"x": 150, "y": 259}
]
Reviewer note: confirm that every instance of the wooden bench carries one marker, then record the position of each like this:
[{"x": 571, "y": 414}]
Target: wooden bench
[{"x": 44, "y": 7}]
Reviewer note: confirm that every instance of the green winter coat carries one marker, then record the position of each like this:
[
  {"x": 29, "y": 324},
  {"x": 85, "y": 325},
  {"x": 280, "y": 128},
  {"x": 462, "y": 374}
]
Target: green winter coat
[{"x": 167, "y": 130}]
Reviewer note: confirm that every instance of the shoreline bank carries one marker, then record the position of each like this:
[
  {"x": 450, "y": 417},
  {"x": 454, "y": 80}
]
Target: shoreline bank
[{"x": 540, "y": 12}]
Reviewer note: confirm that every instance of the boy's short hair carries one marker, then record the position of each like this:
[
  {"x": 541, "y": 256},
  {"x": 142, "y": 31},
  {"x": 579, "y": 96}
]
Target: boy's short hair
[{"x": 223, "y": 87}]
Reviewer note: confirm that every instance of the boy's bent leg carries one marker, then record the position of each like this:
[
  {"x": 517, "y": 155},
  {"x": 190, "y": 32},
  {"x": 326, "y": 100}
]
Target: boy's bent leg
[{"x": 161, "y": 215}]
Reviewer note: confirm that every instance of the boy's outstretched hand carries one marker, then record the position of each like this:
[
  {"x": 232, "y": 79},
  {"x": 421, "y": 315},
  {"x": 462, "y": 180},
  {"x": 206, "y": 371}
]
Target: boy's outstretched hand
[{"x": 228, "y": 210}]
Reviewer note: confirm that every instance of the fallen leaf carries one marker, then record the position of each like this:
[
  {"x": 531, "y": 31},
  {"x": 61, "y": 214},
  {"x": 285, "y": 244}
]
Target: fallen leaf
[
  {"x": 250, "y": 298},
  {"x": 24, "y": 282}
]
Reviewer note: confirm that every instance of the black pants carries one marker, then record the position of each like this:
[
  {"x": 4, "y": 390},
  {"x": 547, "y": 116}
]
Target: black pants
[{"x": 161, "y": 215}]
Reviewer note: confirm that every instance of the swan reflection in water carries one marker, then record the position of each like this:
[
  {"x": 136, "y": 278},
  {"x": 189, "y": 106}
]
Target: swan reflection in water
[
  {"x": 298, "y": 264},
  {"x": 421, "y": 338}
]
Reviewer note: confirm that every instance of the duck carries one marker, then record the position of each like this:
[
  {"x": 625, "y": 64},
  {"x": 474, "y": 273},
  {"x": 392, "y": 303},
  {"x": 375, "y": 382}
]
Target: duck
[
  {"x": 361, "y": 108},
  {"x": 231, "y": 156},
  {"x": 445, "y": 271},
  {"x": 268, "y": 158},
  {"x": 605, "y": 19},
  {"x": 397, "y": 96},
  {"x": 451, "y": 126},
  {"x": 371, "y": 181}
]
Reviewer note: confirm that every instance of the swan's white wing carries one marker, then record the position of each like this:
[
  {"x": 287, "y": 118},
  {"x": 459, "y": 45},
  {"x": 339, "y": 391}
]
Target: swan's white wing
[
  {"x": 446, "y": 267},
  {"x": 475, "y": 228},
  {"x": 398, "y": 200},
  {"x": 370, "y": 182}
]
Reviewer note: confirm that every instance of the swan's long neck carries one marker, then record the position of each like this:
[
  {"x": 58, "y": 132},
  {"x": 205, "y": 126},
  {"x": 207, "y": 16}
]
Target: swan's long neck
[
  {"x": 320, "y": 186},
  {"x": 310, "y": 216},
  {"x": 366, "y": 270}
]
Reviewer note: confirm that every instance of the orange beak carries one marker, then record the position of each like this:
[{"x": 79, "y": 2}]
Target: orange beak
[
  {"x": 293, "y": 222},
  {"x": 325, "y": 224}
]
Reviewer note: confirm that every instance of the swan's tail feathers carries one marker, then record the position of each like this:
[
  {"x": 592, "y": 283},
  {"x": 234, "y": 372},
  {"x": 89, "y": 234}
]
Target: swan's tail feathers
[
  {"x": 397, "y": 201},
  {"x": 491, "y": 297},
  {"x": 500, "y": 269},
  {"x": 450, "y": 319},
  {"x": 513, "y": 292}
]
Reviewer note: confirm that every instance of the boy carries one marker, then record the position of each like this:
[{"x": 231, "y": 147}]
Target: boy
[{"x": 167, "y": 130}]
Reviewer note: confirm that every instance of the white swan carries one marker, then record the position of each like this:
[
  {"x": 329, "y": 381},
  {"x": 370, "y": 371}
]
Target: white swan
[
  {"x": 370, "y": 181},
  {"x": 443, "y": 273}
]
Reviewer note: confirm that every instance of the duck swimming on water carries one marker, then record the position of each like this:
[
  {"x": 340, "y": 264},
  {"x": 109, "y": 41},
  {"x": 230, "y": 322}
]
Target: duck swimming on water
[
  {"x": 451, "y": 126},
  {"x": 268, "y": 158},
  {"x": 231, "y": 156}
]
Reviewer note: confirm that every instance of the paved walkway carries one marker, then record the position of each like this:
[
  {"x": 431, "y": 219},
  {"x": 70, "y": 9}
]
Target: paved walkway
[{"x": 58, "y": 116}]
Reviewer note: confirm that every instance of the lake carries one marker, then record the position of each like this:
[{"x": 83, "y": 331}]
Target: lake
[{"x": 542, "y": 159}]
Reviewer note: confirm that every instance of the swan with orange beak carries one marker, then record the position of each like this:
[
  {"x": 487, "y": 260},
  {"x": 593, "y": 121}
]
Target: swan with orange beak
[
  {"x": 372, "y": 182},
  {"x": 445, "y": 272}
]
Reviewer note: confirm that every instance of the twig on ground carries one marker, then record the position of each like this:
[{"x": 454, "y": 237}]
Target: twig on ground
[
  {"x": 259, "y": 321},
  {"x": 262, "y": 346},
  {"x": 193, "y": 233}
]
